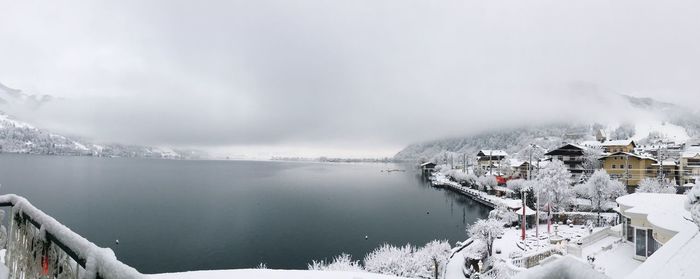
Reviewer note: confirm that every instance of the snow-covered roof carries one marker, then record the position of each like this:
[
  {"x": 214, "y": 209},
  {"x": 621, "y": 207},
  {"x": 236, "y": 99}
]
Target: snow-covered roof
[
  {"x": 590, "y": 143},
  {"x": 691, "y": 152},
  {"x": 427, "y": 163},
  {"x": 528, "y": 211},
  {"x": 678, "y": 257},
  {"x": 629, "y": 154},
  {"x": 666, "y": 163},
  {"x": 516, "y": 162},
  {"x": 618, "y": 142},
  {"x": 493, "y": 152}
]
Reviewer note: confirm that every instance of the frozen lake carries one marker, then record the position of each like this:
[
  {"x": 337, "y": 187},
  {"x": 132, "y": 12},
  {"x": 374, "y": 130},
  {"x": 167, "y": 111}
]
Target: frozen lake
[{"x": 192, "y": 215}]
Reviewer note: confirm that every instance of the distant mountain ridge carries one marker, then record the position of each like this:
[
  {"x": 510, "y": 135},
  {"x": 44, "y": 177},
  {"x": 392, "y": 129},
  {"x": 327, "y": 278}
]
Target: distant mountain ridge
[
  {"x": 17, "y": 136},
  {"x": 15, "y": 97},
  {"x": 676, "y": 123}
]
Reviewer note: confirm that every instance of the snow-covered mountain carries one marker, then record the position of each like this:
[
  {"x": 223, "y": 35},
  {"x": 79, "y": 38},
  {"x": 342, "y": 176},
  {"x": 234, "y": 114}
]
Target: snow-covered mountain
[
  {"x": 17, "y": 136},
  {"x": 672, "y": 123},
  {"x": 20, "y": 137}
]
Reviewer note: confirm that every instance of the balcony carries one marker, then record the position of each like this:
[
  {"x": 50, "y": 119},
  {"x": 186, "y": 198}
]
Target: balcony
[{"x": 40, "y": 247}]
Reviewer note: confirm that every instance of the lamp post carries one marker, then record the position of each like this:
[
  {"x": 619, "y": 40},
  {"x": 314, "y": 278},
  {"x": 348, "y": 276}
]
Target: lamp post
[{"x": 522, "y": 236}]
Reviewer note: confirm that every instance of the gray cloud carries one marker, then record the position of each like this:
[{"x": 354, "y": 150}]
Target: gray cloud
[{"x": 350, "y": 75}]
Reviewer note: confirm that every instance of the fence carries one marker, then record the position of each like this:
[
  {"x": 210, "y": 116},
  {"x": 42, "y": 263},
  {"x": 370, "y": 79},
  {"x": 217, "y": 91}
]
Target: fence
[{"x": 38, "y": 246}]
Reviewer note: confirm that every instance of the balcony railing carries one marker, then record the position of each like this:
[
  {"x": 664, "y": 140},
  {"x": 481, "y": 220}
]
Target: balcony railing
[{"x": 38, "y": 246}]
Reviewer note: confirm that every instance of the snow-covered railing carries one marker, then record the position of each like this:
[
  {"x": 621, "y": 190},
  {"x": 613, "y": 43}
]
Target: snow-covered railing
[
  {"x": 534, "y": 259},
  {"x": 40, "y": 247}
]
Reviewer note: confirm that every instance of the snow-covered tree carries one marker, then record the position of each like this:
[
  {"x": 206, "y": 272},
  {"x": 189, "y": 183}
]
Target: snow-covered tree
[
  {"x": 515, "y": 185},
  {"x": 476, "y": 251},
  {"x": 553, "y": 183},
  {"x": 649, "y": 185},
  {"x": 487, "y": 182},
  {"x": 591, "y": 158},
  {"x": 504, "y": 167},
  {"x": 391, "y": 260},
  {"x": 487, "y": 231},
  {"x": 433, "y": 257},
  {"x": 581, "y": 190},
  {"x": 600, "y": 189},
  {"x": 693, "y": 203},
  {"x": 461, "y": 177},
  {"x": 624, "y": 132},
  {"x": 503, "y": 214},
  {"x": 343, "y": 262},
  {"x": 536, "y": 151}
]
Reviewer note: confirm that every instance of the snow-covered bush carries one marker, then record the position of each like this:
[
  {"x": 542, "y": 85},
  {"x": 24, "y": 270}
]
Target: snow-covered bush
[
  {"x": 409, "y": 261},
  {"x": 487, "y": 231},
  {"x": 649, "y": 185},
  {"x": 693, "y": 203},
  {"x": 392, "y": 260},
  {"x": 343, "y": 262}
]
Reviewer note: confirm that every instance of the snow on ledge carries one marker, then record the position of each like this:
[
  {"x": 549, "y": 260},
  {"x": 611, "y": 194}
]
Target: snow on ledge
[
  {"x": 270, "y": 274},
  {"x": 98, "y": 260}
]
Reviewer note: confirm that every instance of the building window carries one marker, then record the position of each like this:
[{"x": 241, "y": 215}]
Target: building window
[
  {"x": 622, "y": 166},
  {"x": 629, "y": 229},
  {"x": 629, "y": 166},
  {"x": 651, "y": 243},
  {"x": 614, "y": 166},
  {"x": 640, "y": 242}
]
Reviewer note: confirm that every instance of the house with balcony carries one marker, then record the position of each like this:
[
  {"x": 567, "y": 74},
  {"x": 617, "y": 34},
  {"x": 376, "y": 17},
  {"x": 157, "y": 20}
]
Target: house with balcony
[
  {"x": 571, "y": 155},
  {"x": 629, "y": 168},
  {"x": 613, "y": 146},
  {"x": 488, "y": 159},
  {"x": 689, "y": 166}
]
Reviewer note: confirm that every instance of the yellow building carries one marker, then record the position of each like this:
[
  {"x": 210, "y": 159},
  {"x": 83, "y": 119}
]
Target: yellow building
[
  {"x": 629, "y": 168},
  {"x": 613, "y": 146}
]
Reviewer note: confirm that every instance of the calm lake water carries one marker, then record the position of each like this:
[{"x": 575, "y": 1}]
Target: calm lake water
[{"x": 191, "y": 215}]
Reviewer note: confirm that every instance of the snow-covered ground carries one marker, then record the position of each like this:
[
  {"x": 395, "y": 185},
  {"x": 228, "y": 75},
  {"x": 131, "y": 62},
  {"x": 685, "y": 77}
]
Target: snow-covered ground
[
  {"x": 616, "y": 262},
  {"x": 510, "y": 241},
  {"x": 269, "y": 274}
]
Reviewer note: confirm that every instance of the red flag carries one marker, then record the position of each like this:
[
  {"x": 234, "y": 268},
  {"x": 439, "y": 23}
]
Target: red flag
[{"x": 549, "y": 217}]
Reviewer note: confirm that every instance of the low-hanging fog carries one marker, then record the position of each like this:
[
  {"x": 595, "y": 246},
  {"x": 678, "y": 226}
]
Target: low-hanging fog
[{"x": 343, "y": 78}]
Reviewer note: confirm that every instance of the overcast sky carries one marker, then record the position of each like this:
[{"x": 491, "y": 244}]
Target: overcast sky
[{"x": 344, "y": 78}]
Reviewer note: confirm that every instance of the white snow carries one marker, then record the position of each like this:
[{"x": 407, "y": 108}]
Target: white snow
[
  {"x": 269, "y": 274},
  {"x": 669, "y": 131},
  {"x": 564, "y": 267}
]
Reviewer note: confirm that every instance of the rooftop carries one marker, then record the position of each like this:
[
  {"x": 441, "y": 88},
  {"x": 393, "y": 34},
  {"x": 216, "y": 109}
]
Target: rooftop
[
  {"x": 492, "y": 152},
  {"x": 618, "y": 142}
]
